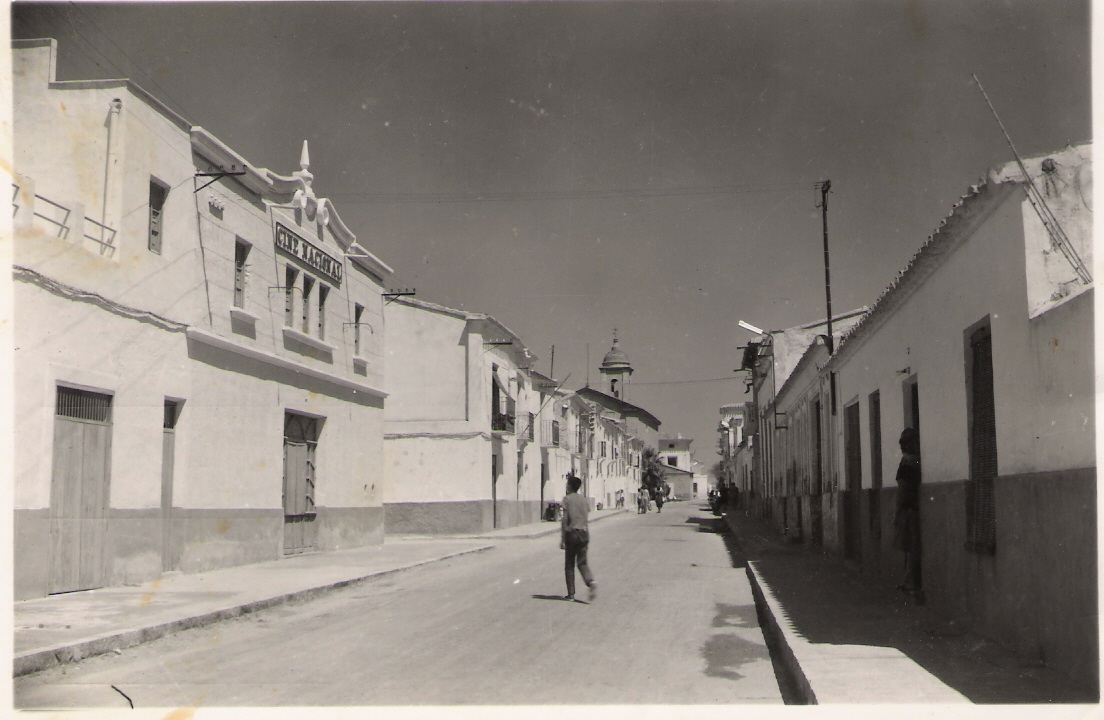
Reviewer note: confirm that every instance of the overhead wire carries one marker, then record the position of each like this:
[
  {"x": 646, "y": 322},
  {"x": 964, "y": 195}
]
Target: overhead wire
[
  {"x": 560, "y": 195},
  {"x": 138, "y": 67}
]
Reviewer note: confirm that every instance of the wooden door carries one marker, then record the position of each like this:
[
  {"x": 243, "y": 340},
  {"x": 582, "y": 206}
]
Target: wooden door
[
  {"x": 79, "y": 490},
  {"x": 168, "y": 462},
  {"x": 300, "y": 529},
  {"x": 494, "y": 490},
  {"x": 853, "y": 468}
]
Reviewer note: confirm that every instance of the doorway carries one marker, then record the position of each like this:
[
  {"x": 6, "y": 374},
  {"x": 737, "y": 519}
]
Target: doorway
[
  {"x": 300, "y": 478},
  {"x": 853, "y": 469},
  {"x": 168, "y": 461},
  {"x": 79, "y": 490}
]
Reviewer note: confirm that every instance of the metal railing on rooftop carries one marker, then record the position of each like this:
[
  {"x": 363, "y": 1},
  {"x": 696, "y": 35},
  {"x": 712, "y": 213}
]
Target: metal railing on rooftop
[{"x": 63, "y": 219}]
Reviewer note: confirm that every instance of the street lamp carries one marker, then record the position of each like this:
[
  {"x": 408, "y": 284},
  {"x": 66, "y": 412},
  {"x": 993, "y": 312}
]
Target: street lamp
[{"x": 752, "y": 328}]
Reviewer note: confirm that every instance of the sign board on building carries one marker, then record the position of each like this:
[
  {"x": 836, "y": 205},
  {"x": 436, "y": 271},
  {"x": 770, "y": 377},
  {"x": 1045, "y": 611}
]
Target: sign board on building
[{"x": 308, "y": 253}]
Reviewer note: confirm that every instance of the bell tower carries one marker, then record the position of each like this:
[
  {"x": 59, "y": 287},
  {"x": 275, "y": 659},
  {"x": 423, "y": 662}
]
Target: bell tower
[{"x": 616, "y": 370}]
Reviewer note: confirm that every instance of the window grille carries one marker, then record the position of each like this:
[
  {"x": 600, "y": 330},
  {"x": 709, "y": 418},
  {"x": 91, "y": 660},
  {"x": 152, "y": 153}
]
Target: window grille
[
  {"x": 83, "y": 405},
  {"x": 981, "y": 520}
]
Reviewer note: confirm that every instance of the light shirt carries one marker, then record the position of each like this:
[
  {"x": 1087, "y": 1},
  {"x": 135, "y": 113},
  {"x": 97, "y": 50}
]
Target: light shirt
[{"x": 575, "y": 512}]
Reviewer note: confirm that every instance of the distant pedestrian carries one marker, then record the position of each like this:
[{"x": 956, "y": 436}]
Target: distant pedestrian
[
  {"x": 642, "y": 501},
  {"x": 659, "y": 500},
  {"x": 906, "y": 520},
  {"x": 575, "y": 538}
]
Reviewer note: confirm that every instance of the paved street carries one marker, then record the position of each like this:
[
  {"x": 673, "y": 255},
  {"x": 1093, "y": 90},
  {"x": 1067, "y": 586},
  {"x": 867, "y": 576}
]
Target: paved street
[{"x": 675, "y": 623}]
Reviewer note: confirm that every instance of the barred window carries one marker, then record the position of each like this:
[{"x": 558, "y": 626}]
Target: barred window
[{"x": 83, "y": 405}]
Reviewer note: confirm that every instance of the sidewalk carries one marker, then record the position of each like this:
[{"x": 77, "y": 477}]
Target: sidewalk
[
  {"x": 65, "y": 628},
  {"x": 842, "y": 637}
]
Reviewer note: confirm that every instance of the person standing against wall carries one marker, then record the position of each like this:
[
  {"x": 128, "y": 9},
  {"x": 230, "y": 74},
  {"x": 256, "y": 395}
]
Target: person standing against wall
[
  {"x": 575, "y": 538},
  {"x": 906, "y": 521}
]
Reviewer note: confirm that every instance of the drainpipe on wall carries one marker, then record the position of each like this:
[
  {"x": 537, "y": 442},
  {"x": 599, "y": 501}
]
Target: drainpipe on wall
[{"x": 112, "y": 175}]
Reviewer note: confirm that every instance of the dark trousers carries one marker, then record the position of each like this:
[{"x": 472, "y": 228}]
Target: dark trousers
[{"x": 575, "y": 552}]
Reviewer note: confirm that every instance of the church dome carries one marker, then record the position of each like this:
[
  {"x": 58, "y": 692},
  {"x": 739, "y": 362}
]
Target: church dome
[{"x": 615, "y": 358}]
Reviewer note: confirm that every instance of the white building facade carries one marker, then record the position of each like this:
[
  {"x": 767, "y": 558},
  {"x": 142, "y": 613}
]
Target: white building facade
[
  {"x": 462, "y": 445},
  {"x": 198, "y": 369}
]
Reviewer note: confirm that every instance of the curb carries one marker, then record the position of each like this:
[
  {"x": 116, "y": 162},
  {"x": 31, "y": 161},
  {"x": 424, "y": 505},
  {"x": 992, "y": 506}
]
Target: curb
[
  {"x": 778, "y": 637},
  {"x": 37, "y": 660},
  {"x": 889, "y": 675}
]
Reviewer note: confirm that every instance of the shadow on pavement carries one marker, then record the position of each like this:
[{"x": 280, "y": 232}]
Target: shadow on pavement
[{"x": 826, "y": 602}]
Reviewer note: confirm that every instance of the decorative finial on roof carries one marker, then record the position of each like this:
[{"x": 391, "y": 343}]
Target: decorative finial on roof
[
  {"x": 304, "y": 159},
  {"x": 615, "y": 336}
]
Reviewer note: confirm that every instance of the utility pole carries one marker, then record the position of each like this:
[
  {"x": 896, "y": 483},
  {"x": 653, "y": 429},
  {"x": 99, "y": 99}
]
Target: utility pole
[
  {"x": 824, "y": 188},
  {"x": 830, "y": 341}
]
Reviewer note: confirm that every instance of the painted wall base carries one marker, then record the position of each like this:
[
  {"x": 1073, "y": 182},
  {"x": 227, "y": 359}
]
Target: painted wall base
[
  {"x": 458, "y": 518},
  {"x": 200, "y": 540},
  {"x": 1036, "y": 596}
]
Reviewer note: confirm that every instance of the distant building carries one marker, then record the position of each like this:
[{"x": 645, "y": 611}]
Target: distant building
[
  {"x": 678, "y": 471},
  {"x": 461, "y": 423},
  {"x": 638, "y": 422},
  {"x": 772, "y": 359}
]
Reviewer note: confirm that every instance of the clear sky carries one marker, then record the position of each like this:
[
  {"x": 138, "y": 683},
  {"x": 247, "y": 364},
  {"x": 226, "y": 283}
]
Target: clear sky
[{"x": 573, "y": 167}]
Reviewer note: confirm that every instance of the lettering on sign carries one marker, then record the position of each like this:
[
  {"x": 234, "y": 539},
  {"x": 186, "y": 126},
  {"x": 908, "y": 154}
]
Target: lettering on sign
[{"x": 311, "y": 255}]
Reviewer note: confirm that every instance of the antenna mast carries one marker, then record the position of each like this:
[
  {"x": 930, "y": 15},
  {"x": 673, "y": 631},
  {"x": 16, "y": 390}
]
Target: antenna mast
[{"x": 1058, "y": 236}]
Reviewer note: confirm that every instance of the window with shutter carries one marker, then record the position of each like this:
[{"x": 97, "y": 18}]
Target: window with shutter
[
  {"x": 157, "y": 196},
  {"x": 290, "y": 276},
  {"x": 323, "y": 291},
  {"x": 241, "y": 255},
  {"x": 308, "y": 286},
  {"x": 358, "y": 313}
]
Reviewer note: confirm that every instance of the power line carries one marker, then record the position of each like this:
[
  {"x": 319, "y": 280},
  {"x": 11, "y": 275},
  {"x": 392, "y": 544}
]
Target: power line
[
  {"x": 559, "y": 195},
  {"x": 136, "y": 66},
  {"x": 683, "y": 382}
]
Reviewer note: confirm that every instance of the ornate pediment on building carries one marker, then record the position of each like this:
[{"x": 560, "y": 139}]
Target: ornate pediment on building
[{"x": 304, "y": 199}]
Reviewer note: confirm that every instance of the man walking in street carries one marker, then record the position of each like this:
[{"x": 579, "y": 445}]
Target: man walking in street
[{"x": 575, "y": 537}]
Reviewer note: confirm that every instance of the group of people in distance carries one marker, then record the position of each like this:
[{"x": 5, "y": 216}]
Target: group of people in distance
[{"x": 645, "y": 497}]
